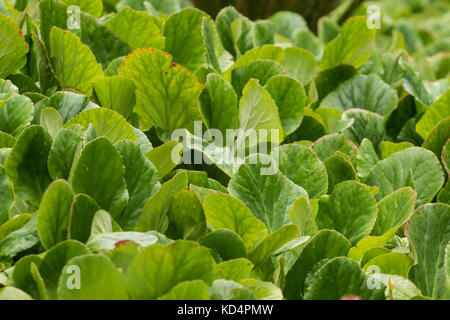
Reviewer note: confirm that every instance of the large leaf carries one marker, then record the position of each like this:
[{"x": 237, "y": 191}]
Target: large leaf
[
  {"x": 94, "y": 7},
  {"x": 104, "y": 44},
  {"x": 339, "y": 278},
  {"x": 396, "y": 172},
  {"x": 15, "y": 114},
  {"x": 54, "y": 261},
  {"x": 100, "y": 173},
  {"x": 269, "y": 197},
  {"x": 75, "y": 65},
  {"x": 82, "y": 213},
  {"x": 300, "y": 64},
  {"x": 26, "y": 165},
  {"x": 354, "y": 45},
  {"x": 142, "y": 181},
  {"x": 429, "y": 233},
  {"x": 184, "y": 38},
  {"x": 158, "y": 268},
  {"x": 290, "y": 98},
  {"x": 138, "y": 28},
  {"x": 91, "y": 277},
  {"x": 326, "y": 244},
  {"x": 225, "y": 211},
  {"x": 257, "y": 110},
  {"x": 186, "y": 218},
  {"x": 350, "y": 209},
  {"x": 219, "y": 104},
  {"x": 154, "y": 215},
  {"x": 53, "y": 216},
  {"x": 106, "y": 123},
  {"x": 166, "y": 94},
  {"x": 363, "y": 92},
  {"x": 13, "y": 47},
  {"x": 304, "y": 168},
  {"x": 116, "y": 93},
  {"x": 434, "y": 114}
]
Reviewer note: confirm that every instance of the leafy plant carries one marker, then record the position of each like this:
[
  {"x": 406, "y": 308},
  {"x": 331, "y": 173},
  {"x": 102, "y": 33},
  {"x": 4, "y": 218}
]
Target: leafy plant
[{"x": 150, "y": 150}]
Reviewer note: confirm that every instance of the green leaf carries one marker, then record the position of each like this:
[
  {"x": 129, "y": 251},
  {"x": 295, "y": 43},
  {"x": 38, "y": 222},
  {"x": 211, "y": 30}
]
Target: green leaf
[
  {"x": 6, "y": 140},
  {"x": 329, "y": 80},
  {"x": 290, "y": 98},
  {"x": 104, "y": 44},
  {"x": 304, "y": 168},
  {"x": 302, "y": 216},
  {"x": 226, "y": 244},
  {"x": 166, "y": 94},
  {"x": 188, "y": 290},
  {"x": 413, "y": 84},
  {"x": 53, "y": 217},
  {"x": 326, "y": 244},
  {"x": 438, "y": 137},
  {"x": 261, "y": 70},
  {"x": 339, "y": 278},
  {"x": 224, "y": 22},
  {"x": 93, "y": 7},
  {"x": 102, "y": 223},
  {"x": 264, "y": 33},
  {"x": 54, "y": 261},
  {"x": 434, "y": 114},
  {"x": 366, "y": 124},
  {"x": 398, "y": 288},
  {"x": 339, "y": 169},
  {"x": 51, "y": 121},
  {"x": 13, "y": 47},
  {"x": 394, "y": 210},
  {"x": 6, "y": 196},
  {"x": 391, "y": 263},
  {"x": 23, "y": 276},
  {"x": 269, "y": 197},
  {"x": 154, "y": 214},
  {"x": 96, "y": 278},
  {"x": 15, "y": 114},
  {"x": 287, "y": 22},
  {"x": 142, "y": 181},
  {"x": 257, "y": 110},
  {"x": 63, "y": 152},
  {"x": 363, "y": 92},
  {"x": 219, "y": 104},
  {"x": 209, "y": 38},
  {"x": 82, "y": 213},
  {"x": 366, "y": 158},
  {"x": 327, "y": 146},
  {"x": 429, "y": 233},
  {"x": 163, "y": 157},
  {"x": 354, "y": 45},
  {"x": 138, "y": 28},
  {"x": 300, "y": 64},
  {"x": 388, "y": 148},
  {"x": 184, "y": 38},
  {"x": 395, "y": 172},
  {"x": 307, "y": 40},
  {"x": 350, "y": 209},
  {"x": 68, "y": 104},
  {"x": 158, "y": 268},
  {"x": 26, "y": 165},
  {"x": 22, "y": 239},
  {"x": 107, "y": 123},
  {"x": 100, "y": 173},
  {"x": 52, "y": 13},
  {"x": 226, "y": 212},
  {"x": 186, "y": 218},
  {"x": 69, "y": 53},
  {"x": 235, "y": 269},
  {"x": 272, "y": 243}
]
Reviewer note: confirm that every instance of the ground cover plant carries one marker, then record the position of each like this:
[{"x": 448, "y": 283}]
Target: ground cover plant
[{"x": 115, "y": 182}]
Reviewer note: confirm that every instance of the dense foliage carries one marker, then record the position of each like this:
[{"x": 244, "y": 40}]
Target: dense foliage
[{"x": 97, "y": 201}]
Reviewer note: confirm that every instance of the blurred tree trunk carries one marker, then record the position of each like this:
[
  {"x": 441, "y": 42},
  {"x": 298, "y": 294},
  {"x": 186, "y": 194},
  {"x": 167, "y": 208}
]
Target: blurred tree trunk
[{"x": 311, "y": 10}]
